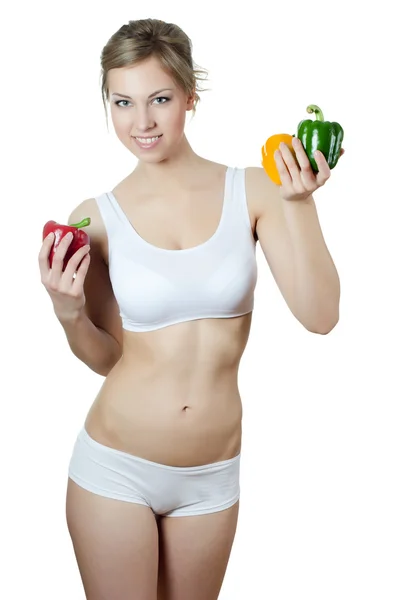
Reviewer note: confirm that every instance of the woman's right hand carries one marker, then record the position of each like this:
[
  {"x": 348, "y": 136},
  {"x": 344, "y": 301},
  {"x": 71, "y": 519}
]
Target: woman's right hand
[{"x": 65, "y": 289}]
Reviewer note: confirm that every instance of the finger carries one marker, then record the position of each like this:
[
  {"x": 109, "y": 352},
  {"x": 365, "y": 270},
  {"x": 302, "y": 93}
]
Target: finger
[
  {"x": 73, "y": 264},
  {"x": 59, "y": 255},
  {"x": 302, "y": 181},
  {"x": 307, "y": 176},
  {"x": 324, "y": 172},
  {"x": 78, "y": 284},
  {"x": 284, "y": 173},
  {"x": 292, "y": 167},
  {"x": 302, "y": 158},
  {"x": 44, "y": 263}
]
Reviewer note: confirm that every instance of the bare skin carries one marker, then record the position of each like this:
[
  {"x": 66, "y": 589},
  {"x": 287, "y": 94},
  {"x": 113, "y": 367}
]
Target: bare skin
[
  {"x": 172, "y": 398},
  {"x": 171, "y": 395}
]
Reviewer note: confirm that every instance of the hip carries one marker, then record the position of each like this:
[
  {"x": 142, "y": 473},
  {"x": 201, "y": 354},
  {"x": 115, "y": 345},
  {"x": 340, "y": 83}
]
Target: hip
[{"x": 169, "y": 491}]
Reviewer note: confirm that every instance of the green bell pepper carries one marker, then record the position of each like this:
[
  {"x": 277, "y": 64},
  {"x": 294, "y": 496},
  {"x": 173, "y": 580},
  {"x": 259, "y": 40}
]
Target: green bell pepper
[{"x": 320, "y": 135}]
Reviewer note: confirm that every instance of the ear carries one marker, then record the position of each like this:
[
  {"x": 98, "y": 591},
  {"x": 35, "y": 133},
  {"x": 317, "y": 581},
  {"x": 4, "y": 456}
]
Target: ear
[{"x": 190, "y": 100}]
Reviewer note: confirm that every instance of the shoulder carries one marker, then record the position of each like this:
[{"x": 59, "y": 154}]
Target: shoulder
[
  {"x": 88, "y": 208},
  {"x": 257, "y": 182},
  {"x": 261, "y": 192},
  {"x": 209, "y": 170},
  {"x": 96, "y": 229}
]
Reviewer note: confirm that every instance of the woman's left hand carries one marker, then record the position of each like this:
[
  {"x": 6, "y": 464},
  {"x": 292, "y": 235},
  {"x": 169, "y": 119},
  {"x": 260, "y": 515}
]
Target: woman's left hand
[{"x": 298, "y": 181}]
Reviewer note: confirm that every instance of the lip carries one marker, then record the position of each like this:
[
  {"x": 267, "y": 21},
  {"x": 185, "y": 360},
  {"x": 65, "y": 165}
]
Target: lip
[{"x": 147, "y": 146}]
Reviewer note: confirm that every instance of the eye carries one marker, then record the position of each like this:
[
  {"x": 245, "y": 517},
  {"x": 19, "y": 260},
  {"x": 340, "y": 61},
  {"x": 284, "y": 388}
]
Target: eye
[
  {"x": 119, "y": 101},
  {"x": 162, "y": 98}
]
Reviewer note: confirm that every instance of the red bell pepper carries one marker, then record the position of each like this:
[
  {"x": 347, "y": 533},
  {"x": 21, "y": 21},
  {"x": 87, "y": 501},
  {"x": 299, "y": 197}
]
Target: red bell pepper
[{"x": 80, "y": 238}]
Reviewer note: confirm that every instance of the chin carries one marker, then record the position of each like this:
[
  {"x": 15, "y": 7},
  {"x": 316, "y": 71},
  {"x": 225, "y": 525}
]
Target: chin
[
  {"x": 155, "y": 157},
  {"x": 151, "y": 160},
  {"x": 151, "y": 157}
]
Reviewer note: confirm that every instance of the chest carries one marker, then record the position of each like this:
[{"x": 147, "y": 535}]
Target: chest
[{"x": 177, "y": 222}]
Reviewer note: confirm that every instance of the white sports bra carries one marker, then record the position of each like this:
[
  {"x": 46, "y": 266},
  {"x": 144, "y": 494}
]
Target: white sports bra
[{"x": 156, "y": 287}]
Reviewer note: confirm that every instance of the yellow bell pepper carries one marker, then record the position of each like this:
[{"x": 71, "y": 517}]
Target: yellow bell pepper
[{"x": 268, "y": 162}]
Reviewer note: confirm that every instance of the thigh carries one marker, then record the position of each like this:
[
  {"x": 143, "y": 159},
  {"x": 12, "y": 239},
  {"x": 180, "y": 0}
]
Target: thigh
[
  {"x": 116, "y": 545},
  {"x": 194, "y": 553}
]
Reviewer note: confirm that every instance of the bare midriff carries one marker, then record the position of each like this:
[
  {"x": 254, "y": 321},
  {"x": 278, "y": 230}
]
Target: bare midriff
[{"x": 173, "y": 397}]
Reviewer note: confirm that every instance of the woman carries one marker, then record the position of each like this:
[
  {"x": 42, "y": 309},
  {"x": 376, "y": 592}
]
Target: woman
[{"x": 161, "y": 306}]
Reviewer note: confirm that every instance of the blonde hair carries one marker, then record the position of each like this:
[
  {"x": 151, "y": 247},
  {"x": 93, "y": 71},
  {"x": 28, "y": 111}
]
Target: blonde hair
[{"x": 143, "y": 38}]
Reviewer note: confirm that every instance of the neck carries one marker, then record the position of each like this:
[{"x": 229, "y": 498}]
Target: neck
[{"x": 179, "y": 166}]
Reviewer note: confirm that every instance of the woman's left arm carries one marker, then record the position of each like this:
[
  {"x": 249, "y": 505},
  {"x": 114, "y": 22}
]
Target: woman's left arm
[{"x": 290, "y": 236}]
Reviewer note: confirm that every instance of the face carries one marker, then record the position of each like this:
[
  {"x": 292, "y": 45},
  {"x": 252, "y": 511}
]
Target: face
[{"x": 148, "y": 110}]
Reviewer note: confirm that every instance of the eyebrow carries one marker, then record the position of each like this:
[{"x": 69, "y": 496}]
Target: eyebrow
[{"x": 151, "y": 95}]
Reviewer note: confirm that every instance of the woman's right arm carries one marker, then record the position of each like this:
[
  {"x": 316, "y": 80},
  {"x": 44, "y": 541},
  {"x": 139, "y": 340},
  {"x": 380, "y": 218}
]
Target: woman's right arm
[
  {"x": 85, "y": 304},
  {"x": 94, "y": 346}
]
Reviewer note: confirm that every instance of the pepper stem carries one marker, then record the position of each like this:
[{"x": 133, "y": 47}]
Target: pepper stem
[
  {"x": 82, "y": 223},
  {"x": 312, "y": 108}
]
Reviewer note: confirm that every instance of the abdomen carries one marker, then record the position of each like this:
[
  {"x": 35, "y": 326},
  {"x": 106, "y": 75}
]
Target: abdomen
[{"x": 173, "y": 398}]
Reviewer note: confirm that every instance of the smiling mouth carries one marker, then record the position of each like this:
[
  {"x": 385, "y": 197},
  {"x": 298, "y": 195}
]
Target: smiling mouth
[{"x": 148, "y": 140}]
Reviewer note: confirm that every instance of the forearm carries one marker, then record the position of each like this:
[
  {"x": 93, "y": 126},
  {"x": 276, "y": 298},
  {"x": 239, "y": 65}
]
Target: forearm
[
  {"x": 93, "y": 346},
  {"x": 316, "y": 282}
]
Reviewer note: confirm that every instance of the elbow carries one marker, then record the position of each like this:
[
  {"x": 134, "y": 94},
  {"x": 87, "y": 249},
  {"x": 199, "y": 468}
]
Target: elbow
[
  {"x": 321, "y": 322},
  {"x": 110, "y": 366},
  {"x": 104, "y": 369},
  {"x": 99, "y": 369},
  {"x": 318, "y": 310},
  {"x": 323, "y": 329},
  {"x": 323, "y": 326}
]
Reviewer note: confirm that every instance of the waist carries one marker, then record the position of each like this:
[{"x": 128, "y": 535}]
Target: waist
[
  {"x": 168, "y": 419},
  {"x": 173, "y": 397}
]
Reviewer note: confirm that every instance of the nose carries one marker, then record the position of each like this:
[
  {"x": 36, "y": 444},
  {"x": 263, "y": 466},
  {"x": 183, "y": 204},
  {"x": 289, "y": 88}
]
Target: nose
[{"x": 143, "y": 121}]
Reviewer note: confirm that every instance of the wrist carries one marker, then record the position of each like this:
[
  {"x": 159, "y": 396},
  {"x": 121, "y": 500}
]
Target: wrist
[
  {"x": 296, "y": 203},
  {"x": 71, "y": 319}
]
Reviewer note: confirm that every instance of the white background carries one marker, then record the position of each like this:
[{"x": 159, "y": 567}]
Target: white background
[{"x": 318, "y": 480}]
